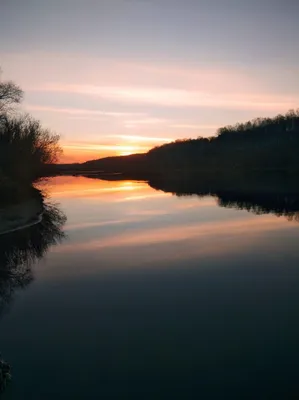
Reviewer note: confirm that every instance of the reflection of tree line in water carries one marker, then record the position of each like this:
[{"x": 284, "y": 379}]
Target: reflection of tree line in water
[
  {"x": 258, "y": 193},
  {"x": 281, "y": 205},
  {"x": 20, "y": 249},
  {"x": 276, "y": 194}
]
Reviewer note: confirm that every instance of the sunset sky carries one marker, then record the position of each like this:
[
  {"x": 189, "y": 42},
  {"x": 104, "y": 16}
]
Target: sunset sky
[{"x": 120, "y": 76}]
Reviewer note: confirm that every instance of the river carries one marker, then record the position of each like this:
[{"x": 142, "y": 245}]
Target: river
[{"x": 130, "y": 292}]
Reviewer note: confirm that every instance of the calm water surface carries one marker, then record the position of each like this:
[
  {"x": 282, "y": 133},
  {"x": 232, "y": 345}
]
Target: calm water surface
[{"x": 152, "y": 296}]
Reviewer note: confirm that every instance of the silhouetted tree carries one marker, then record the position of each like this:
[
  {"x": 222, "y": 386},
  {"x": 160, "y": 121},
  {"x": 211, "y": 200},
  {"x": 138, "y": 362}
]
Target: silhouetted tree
[
  {"x": 25, "y": 147},
  {"x": 10, "y": 95}
]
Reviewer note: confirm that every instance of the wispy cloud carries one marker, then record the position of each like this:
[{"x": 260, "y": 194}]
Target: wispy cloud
[
  {"x": 106, "y": 149},
  {"x": 139, "y": 119},
  {"x": 169, "y": 97},
  {"x": 194, "y": 126},
  {"x": 131, "y": 123},
  {"x": 79, "y": 113},
  {"x": 58, "y": 67},
  {"x": 138, "y": 139},
  {"x": 163, "y": 84}
]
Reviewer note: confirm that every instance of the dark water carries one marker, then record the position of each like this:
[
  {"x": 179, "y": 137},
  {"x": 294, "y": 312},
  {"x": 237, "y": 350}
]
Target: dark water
[{"x": 142, "y": 294}]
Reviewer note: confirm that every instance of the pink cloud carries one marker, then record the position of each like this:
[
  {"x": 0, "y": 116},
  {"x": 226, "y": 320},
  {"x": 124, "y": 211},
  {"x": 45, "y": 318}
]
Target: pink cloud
[
  {"x": 82, "y": 112},
  {"x": 195, "y": 126},
  {"x": 134, "y": 138},
  {"x": 70, "y": 68},
  {"x": 155, "y": 83},
  {"x": 170, "y": 97}
]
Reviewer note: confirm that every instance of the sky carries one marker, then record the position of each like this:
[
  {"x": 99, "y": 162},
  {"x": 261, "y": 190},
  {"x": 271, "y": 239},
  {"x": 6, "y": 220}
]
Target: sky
[{"x": 115, "y": 77}]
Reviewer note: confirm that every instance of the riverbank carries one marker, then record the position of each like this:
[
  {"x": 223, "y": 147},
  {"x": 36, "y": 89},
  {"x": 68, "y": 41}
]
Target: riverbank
[{"x": 22, "y": 214}]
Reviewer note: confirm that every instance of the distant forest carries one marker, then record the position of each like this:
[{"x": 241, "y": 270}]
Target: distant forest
[{"x": 263, "y": 144}]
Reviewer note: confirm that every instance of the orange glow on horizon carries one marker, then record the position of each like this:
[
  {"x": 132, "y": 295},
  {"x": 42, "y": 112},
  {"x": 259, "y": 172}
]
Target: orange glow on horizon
[{"x": 78, "y": 153}]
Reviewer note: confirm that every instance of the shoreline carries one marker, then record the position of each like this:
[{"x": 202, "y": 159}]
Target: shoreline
[{"x": 21, "y": 216}]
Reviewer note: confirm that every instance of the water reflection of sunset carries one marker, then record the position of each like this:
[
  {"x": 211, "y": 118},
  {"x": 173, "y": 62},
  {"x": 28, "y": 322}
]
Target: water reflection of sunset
[
  {"x": 77, "y": 187},
  {"x": 119, "y": 221}
]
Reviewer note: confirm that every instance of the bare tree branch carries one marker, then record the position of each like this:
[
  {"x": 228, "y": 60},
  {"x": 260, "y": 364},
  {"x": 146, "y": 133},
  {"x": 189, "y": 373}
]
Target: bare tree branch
[{"x": 10, "y": 95}]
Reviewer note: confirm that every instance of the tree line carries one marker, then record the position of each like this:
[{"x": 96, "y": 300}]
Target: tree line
[
  {"x": 260, "y": 144},
  {"x": 263, "y": 144},
  {"x": 25, "y": 146}
]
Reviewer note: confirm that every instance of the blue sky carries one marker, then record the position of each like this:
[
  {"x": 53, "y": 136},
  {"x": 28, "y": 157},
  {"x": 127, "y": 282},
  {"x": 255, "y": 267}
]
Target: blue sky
[{"x": 118, "y": 76}]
